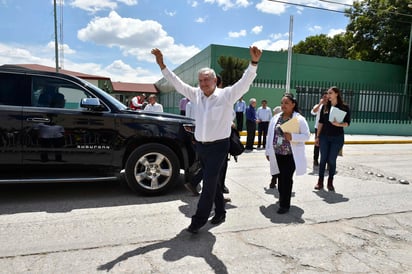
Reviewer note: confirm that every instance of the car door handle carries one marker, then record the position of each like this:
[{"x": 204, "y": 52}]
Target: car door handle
[{"x": 38, "y": 120}]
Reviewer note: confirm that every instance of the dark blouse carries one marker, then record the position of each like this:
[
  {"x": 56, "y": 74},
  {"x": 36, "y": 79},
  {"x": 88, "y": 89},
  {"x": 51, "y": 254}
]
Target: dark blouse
[
  {"x": 328, "y": 128},
  {"x": 280, "y": 144}
]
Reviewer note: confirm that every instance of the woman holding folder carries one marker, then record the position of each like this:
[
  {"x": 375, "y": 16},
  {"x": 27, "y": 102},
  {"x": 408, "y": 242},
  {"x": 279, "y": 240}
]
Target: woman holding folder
[
  {"x": 330, "y": 135},
  {"x": 285, "y": 148}
]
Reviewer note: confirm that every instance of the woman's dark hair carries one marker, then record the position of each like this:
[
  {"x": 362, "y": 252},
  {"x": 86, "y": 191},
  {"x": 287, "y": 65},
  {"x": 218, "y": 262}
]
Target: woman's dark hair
[
  {"x": 338, "y": 98},
  {"x": 291, "y": 97}
]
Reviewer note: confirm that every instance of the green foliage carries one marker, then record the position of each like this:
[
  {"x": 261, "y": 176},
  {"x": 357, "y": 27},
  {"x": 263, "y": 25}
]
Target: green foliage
[
  {"x": 232, "y": 69},
  {"x": 379, "y": 30}
]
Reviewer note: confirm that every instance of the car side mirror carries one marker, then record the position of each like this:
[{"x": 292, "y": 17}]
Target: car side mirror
[{"x": 91, "y": 103}]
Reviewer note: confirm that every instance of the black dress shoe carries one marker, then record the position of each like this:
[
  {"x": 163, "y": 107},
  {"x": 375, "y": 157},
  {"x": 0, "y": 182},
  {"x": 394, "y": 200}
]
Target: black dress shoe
[
  {"x": 282, "y": 210},
  {"x": 218, "y": 219},
  {"x": 225, "y": 190},
  {"x": 273, "y": 183},
  {"x": 193, "y": 229}
]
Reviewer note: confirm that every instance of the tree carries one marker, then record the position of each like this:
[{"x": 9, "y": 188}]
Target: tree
[
  {"x": 323, "y": 45},
  {"x": 232, "y": 69},
  {"x": 379, "y": 30}
]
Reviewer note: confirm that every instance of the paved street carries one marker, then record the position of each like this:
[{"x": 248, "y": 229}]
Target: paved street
[{"x": 364, "y": 227}]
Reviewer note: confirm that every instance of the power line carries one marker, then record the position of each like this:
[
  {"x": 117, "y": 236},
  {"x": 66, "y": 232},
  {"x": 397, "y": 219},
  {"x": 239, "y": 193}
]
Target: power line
[
  {"x": 307, "y": 6},
  {"x": 336, "y": 3}
]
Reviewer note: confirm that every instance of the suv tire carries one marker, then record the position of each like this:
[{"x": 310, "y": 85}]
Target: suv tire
[{"x": 152, "y": 169}]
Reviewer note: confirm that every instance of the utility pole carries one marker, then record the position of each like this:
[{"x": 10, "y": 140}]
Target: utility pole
[
  {"x": 289, "y": 65},
  {"x": 56, "y": 44}
]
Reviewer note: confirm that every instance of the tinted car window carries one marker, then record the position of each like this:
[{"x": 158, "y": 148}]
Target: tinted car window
[
  {"x": 56, "y": 93},
  {"x": 12, "y": 90}
]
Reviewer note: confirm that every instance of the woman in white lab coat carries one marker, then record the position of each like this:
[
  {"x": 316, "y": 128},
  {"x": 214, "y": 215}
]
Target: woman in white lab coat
[{"x": 286, "y": 150}]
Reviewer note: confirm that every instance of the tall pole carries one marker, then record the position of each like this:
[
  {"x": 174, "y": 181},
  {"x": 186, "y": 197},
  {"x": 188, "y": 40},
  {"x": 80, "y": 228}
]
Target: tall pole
[
  {"x": 405, "y": 91},
  {"x": 288, "y": 69},
  {"x": 56, "y": 44}
]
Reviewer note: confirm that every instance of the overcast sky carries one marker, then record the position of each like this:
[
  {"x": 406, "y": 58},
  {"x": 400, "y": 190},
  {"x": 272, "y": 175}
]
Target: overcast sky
[{"x": 113, "y": 38}]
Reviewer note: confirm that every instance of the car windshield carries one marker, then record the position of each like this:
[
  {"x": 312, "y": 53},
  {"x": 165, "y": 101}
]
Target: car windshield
[{"x": 104, "y": 94}]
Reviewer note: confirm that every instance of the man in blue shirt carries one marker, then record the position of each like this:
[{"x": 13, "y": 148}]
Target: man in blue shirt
[{"x": 250, "y": 125}]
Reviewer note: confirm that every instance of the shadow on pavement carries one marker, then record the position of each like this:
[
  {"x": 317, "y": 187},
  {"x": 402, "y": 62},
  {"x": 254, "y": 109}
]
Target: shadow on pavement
[
  {"x": 182, "y": 245},
  {"x": 65, "y": 197},
  {"x": 293, "y": 216},
  {"x": 331, "y": 197}
]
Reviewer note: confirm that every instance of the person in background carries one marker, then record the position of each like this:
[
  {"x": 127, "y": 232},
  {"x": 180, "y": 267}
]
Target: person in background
[
  {"x": 189, "y": 111},
  {"x": 263, "y": 116},
  {"x": 286, "y": 151},
  {"x": 250, "y": 125},
  {"x": 213, "y": 115},
  {"x": 316, "y": 111},
  {"x": 182, "y": 105},
  {"x": 275, "y": 177},
  {"x": 330, "y": 136},
  {"x": 138, "y": 102},
  {"x": 153, "y": 105},
  {"x": 240, "y": 109}
]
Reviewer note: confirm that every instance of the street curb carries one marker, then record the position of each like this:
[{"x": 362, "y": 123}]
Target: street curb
[{"x": 361, "y": 142}]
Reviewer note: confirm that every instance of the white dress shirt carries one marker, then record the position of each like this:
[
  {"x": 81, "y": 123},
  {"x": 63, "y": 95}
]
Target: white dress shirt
[
  {"x": 213, "y": 114},
  {"x": 264, "y": 114},
  {"x": 156, "y": 107}
]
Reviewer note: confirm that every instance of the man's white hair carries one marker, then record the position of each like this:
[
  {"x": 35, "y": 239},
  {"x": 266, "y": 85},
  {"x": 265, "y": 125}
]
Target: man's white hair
[
  {"x": 209, "y": 71},
  {"x": 252, "y": 100}
]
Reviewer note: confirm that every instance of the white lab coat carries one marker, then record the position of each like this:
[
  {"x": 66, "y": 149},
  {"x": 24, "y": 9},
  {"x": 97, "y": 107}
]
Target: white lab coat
[{"x": 297, "y": 144}]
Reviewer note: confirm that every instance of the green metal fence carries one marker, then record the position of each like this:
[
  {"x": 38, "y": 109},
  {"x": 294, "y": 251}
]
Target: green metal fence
[{"x": 368, "y": 103}]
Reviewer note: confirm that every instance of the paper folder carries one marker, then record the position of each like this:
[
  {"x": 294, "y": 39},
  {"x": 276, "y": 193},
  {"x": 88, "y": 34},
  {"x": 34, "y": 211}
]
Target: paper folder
[
  {"x": 291, "y": 126},
  {"x": 337, "y": 114}
]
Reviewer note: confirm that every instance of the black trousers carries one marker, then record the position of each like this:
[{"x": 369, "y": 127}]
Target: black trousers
[
  {"x": 287, "y": 167},
  {"x": 316, "y": 149},
  {"x": 212, "y": 158},
  {"x": 251, "y": 132},
  {"x": 239, "y": 121},
  {"x": 262, "y": 132}
]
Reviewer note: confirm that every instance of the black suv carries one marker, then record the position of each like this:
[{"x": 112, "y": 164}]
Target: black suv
[{"x": 59, "y": 128}]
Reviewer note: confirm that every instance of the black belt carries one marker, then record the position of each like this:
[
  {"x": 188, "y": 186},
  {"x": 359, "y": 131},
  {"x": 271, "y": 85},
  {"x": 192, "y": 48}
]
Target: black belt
[{"x": 213, "y": 142}]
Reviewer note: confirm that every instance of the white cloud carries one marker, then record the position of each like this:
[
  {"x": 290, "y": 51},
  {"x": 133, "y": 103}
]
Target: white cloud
[
  {"x": 333, "y": 32},
  {"x": 228, "y": 4},
  {"x": 276, "y": 36},
  {"x": 272, "y": 45},
  {"x": 315, "y": 29},
  {"x": 200, "y": 20},
  {"x": 134, "y": 37},
  {"x": 18, "y": 54},
  {"x": 257, "y": 29},
  {"x": 193, "y": 4},
  {"x": 170, "y": 13},
  {"x": 94, "y": 6},
  {"x": 65, "y": 47},
  {"x": 271, "y": 7},
  {"x": 238, "y": 34},
  {"x": 117, "y": 70}
]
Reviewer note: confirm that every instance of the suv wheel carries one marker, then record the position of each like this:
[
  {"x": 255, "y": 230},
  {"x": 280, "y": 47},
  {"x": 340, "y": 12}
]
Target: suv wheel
[{"x": 152, "y": 169}]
